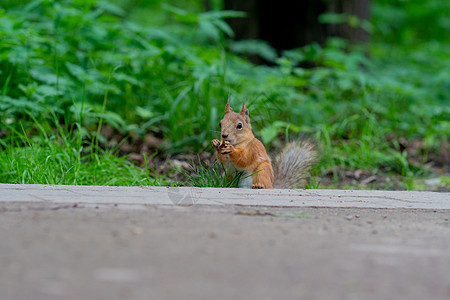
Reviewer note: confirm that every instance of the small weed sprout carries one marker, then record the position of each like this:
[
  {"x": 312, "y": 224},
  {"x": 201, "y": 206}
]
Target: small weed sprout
[{"x": 214, "y": 175}]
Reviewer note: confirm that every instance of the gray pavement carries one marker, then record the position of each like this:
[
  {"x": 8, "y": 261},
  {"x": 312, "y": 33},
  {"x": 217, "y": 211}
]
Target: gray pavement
[
  {"x": 88, "y": 243},
  {"x": 218, "y": 196}
]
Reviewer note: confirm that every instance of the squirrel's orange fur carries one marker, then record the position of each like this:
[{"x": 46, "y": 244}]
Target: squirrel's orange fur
[
  {"x": 239, "y": 150},
  {"x": 243, "y": 151}
]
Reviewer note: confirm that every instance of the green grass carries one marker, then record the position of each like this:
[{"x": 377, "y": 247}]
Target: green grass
[
  {"x": 312, "y": 183},
  {"x": 64, "y": 158},
  {"x": 215, "y": 175},
  {"x": 50, "y": 163}
]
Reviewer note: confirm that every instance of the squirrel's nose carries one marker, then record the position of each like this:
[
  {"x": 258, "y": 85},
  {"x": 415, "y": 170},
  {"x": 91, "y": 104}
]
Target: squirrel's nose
[{"x": 224, "y": 136}]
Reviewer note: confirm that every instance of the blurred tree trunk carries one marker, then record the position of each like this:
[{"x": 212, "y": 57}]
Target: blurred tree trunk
[
  {"x": 290, "y": 24},
  {"x": 360, "y": 9}
]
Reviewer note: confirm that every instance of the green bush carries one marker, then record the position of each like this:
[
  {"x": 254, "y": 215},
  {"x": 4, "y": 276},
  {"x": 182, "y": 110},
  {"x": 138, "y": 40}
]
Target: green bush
[{"x": 85, "y": 61}]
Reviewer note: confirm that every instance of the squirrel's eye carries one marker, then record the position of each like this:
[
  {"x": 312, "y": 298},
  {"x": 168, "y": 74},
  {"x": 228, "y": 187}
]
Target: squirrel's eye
[{"x": 239, "y": 126}]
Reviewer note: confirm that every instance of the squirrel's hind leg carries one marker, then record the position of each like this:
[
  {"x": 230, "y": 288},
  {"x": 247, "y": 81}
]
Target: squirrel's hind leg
[{"x": 263, "y": 178}]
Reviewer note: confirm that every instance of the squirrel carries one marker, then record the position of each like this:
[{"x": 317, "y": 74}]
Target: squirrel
[{"x": 239, "y": 150}]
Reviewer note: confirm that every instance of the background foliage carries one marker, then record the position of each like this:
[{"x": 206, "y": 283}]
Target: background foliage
[{"x": 69, "y": 67}]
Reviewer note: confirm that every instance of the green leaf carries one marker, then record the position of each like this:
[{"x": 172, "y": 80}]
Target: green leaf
[
  {"x": 181, "y": 14},
  {"x": 332, "y": 18},
  {"x": 44, "y": 74},
  {"x": 224, "y": 27},
  {"x": 223, "y": 14},
  {"x": 254, "y": 47},
  {"x": 76, "y": 71},
  {"x": 144, "y": 112},
  {"x": 111, "y": 8}
]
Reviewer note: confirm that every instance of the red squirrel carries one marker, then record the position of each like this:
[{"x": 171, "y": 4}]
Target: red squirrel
[{"x": 239, "y": 150}]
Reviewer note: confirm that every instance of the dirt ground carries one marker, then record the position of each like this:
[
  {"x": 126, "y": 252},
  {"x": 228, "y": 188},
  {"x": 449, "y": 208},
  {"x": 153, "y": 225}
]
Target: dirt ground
[
  {"x": 436, "y": 163},
  {"x": 51, "y": 251}
]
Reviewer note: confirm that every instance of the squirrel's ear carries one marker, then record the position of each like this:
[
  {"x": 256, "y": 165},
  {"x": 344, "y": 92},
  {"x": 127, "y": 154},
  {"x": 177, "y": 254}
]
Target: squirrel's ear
[
  {"x": 228, "y": 107},
  {"x": 244, "y": 112}
]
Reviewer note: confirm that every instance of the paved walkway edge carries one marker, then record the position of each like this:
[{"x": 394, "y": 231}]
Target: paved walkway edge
[{"x": 151, "y": 195}]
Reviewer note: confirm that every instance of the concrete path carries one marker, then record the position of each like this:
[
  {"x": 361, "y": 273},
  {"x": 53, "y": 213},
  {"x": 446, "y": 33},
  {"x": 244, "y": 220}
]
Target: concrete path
[
  {"x": 216, "y": 196},
  {"x": 63, "y": 242}
]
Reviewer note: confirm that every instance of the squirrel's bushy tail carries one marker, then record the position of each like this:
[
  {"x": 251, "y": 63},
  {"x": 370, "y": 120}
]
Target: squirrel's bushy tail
[{"x": 293, "y": 164}]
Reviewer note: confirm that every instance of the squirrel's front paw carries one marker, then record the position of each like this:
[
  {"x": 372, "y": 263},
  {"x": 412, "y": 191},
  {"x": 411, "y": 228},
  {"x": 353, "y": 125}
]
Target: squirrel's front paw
[
  {"x": 226, "y": 148},
  {"x": 216, "y": 143}
]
